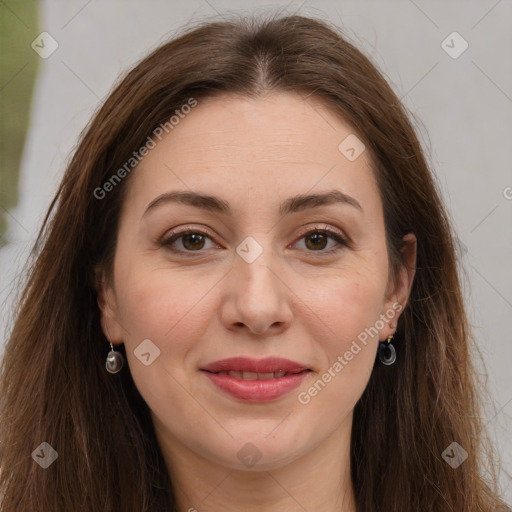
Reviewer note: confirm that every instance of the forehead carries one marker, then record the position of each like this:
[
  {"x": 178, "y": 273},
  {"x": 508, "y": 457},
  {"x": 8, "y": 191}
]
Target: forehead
[
  {"x": 274, "y": 145},
  {"x": 274, "y": 125}
]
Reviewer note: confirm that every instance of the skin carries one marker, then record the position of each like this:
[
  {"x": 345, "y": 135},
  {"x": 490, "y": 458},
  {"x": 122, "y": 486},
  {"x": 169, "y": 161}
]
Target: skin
[{"x": 297, "y": 300}]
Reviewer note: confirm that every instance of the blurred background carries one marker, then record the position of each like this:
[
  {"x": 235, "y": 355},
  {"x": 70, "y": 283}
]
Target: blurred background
[{"x": 449, "y": 61}]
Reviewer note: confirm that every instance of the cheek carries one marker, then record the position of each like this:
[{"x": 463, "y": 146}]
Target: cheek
[
  {"x": 160, "y": 304},
  {"x": 350, "y": 304},
  {"x": 351, "y": 351},
  {"x": 348, "y": 333},
  {"x": 166, "y": 308}
]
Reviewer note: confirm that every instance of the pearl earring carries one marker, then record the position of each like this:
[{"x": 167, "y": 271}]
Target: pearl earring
[{"x": 115, "y": 361}]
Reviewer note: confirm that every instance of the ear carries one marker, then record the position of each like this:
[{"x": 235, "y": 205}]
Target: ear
[
  {"x": 108, "y": 308},
  {"x": 399, "y": 291}
]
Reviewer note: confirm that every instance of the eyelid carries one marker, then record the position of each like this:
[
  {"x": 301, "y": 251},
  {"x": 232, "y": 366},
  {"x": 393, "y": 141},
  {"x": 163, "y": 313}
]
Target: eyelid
[
  {"x": 183, "y": 230},
  {"x": 171, "y": 236},
  {"x": 340, "y": 238},
  {"x": 323, "y": 227}
]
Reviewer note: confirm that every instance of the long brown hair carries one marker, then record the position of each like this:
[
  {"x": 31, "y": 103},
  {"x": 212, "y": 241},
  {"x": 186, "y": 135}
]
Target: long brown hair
[{"x": 54, "y": 387}]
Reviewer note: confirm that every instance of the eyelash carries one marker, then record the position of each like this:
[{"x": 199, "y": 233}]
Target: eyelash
[{"x": 174, "y": 236}]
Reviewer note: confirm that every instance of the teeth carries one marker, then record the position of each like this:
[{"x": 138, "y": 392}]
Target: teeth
[{"x": 254, "y": 375}]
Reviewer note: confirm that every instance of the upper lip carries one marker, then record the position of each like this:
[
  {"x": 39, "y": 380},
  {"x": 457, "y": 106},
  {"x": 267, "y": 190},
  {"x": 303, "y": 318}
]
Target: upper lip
[{"x": 246, "y": 364}]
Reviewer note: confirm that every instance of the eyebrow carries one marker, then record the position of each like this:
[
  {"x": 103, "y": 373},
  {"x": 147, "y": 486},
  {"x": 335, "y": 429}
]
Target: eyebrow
[{"x": 218, "y": 205}]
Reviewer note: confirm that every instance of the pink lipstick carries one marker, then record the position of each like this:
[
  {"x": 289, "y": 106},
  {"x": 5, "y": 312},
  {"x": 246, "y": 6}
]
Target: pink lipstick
[{"x": 256, "y": 380}]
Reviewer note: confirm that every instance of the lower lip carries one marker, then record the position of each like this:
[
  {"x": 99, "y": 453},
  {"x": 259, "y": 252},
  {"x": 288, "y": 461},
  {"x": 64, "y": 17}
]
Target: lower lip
[{"x": 257, "y": 390}]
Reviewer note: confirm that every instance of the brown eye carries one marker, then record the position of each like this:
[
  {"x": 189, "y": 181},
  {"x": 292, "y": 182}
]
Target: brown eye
[
  {"x": 193, "y": 241},
  {"x": 190, "y": 241},
  {"x": 317, "y": 240}
]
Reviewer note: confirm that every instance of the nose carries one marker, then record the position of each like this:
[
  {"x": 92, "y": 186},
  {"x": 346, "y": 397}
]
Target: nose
[{"x": 259, "y": 298}]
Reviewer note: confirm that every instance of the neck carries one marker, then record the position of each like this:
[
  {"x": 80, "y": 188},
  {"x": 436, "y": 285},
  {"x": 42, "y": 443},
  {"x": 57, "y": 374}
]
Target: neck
[{"x": 318, "y": 480}]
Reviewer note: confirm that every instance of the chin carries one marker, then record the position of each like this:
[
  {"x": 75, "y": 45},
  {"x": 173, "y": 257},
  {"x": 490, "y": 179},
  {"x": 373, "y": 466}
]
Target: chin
[{"x": 260, "y": 453}]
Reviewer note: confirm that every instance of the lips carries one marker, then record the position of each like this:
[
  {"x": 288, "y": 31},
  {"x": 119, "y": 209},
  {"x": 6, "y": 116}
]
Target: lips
[
  {"x": 254, "y": 375},
  {"x": 256, "y": 380},
  {"x": 260, "y": 366}
]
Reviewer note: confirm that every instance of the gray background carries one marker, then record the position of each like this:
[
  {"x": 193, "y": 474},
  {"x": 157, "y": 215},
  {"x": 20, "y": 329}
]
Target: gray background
[{"x": 462, "y": 109}]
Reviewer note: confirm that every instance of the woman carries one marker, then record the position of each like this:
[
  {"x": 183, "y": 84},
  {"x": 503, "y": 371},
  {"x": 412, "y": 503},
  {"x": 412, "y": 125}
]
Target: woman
[{"x": 245, "y": 297}]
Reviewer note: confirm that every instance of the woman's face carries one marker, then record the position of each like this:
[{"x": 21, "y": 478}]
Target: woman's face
[{"x": 252, "y": 279}]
